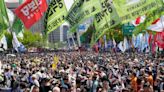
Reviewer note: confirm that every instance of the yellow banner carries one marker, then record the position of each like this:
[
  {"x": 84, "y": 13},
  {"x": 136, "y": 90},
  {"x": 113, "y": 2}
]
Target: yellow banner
[{"x": 56, "y": 60}]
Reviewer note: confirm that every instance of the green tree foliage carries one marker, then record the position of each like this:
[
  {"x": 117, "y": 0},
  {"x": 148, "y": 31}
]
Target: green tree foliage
[{"x": 31, "y": 39}]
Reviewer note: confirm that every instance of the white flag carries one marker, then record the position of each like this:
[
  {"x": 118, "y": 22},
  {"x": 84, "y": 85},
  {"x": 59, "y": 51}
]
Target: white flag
[
  {"x": 15, "y": 42},
  {"x": 159, "y": 26},
  {"x": 3, "y": 43}
]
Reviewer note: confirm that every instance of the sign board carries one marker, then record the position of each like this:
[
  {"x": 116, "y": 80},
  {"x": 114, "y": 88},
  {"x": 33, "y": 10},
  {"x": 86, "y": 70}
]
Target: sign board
[{"x": 128, "y": 29}]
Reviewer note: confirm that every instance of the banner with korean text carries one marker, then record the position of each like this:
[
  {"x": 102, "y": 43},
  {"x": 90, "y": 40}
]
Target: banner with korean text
[
  {"x": 31, "y": 11},
  {"x": 130, "y": 9},
  {"x": 105, "y": 19},
  {"x": 81, "y": 10},
  {"x": 55, "y": 15}
]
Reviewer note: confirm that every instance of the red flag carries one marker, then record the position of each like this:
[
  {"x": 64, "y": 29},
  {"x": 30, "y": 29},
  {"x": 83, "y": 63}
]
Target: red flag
[
  {"x": 31, "y": 11},
  {"x": 138, "y": 20},
  {"x": 154, "y": 22}
]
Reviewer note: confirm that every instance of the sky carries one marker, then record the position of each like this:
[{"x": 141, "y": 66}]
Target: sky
[{"x": 68, "y": 3}]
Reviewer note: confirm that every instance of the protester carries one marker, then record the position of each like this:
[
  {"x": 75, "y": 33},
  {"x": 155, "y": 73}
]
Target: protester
[{"x": 81, "y": 72}]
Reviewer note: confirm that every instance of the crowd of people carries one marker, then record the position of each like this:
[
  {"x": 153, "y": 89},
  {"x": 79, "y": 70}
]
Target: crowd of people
[{"x": 81, "y": 72}]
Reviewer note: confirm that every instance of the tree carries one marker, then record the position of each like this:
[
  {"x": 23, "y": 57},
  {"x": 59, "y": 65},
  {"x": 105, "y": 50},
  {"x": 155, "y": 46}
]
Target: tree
[{"x": 31, "y": 39}]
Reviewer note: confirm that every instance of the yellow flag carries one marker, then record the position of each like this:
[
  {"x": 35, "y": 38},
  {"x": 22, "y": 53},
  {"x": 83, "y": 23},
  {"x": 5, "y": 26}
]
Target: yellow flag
[
  {"x": 56, "y": 60},
  {"x": 54, "y": 66}
]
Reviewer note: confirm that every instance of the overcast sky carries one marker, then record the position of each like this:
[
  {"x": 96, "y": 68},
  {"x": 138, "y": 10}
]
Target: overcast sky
[{"x": 68, "y": 3}]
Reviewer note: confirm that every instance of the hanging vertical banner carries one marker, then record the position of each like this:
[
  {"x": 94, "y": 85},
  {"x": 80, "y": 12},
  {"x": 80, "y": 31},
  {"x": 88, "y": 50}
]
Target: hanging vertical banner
[
  {"x": 81, "y": 10},
  {"x": 55, "y": 15},
  {"x": 131, "y": 9},
  {"x": 31, "y": 11},
  {"x": 105, "y": 19}
]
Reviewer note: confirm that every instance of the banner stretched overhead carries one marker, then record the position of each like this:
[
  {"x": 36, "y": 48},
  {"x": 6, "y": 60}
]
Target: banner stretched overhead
[
  {"x": 55, "y": 15},
  {"x": 131, "y": 9},
  {"x": 31, "y": 11},
  {"x": 81, "y": 10},
  {"x": 105, "y": 19}
]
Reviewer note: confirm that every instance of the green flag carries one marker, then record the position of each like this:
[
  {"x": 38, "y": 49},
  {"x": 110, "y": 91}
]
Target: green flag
[
  {"x": 130, "y": 9},
  {"x": 2, "y": 25},
  {"x": 81, "y": 10},
  {"x": 4, "y": 20},
  {"x": 3, "y": 9},
  {"x": 55, "y": 15},
  {"x": 17, "y": 26},
  {"x": 105, "y": 20}
]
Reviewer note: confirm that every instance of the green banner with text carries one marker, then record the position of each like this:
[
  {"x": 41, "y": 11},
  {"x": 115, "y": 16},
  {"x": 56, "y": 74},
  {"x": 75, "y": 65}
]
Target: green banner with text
[
  {"x": 131, "y": 9},
  {"x": 55, "y": 15},
  {"x": 105, "y": 19},
  {"x": 81, "y": 10}
]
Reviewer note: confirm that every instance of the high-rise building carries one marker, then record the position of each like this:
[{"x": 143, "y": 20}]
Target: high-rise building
[{"x": 60, "y": 34}]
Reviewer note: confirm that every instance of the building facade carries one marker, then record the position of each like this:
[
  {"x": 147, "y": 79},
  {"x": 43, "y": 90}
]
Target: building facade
[{"x": 60, "y": 34}]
